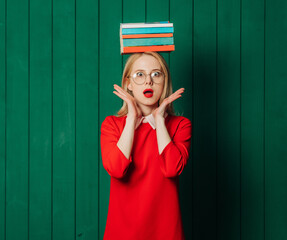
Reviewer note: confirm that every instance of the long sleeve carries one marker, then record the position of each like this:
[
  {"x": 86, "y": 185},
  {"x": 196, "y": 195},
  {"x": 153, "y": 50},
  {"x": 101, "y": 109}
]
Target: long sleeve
[
  {"x": 174, "y": 156},
  {"x": 114, "y": 161}
]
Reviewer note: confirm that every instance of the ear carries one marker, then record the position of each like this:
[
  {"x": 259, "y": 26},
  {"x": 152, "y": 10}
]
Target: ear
[{"x": 129, "y": 85}]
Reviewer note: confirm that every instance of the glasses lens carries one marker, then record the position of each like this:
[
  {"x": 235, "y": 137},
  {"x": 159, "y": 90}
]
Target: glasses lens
[
  {"x": 157, "y": 77},
  {"x": 139, "y": 77}
]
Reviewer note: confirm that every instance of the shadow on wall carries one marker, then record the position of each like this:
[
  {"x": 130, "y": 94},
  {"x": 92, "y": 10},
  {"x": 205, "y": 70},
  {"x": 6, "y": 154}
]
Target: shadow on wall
[
  {"x": 210, "y": 183},
  {"x": 206, "y": 169}
]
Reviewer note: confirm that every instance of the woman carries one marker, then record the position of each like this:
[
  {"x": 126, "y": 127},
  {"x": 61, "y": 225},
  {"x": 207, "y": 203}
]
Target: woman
[{"x": 144, "y": 150}]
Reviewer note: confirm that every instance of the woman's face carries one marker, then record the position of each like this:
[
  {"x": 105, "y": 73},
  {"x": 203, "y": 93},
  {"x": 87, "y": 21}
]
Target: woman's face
[{"x": 146, "y": 64}]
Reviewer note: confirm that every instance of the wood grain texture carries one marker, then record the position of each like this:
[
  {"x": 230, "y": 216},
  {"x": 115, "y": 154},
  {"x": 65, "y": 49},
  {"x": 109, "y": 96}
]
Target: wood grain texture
[
  {"x": 275, "y": 120},
  {"x": 2, "y": 116},
  {"x": 228, "y": 120},
  {"x": 17, "y": 125},
  {"x": 64, "y": 122},
  {"x": 87, "y": 122},
  {"x": 204, "y": 121},
  {"x": 110, "y": 71},
  {"x": 40, "y": 94},
  {"x": 181, "y": 70},
  {"x": 252, "y": 120},
  {"x": 58, "y": 63}
]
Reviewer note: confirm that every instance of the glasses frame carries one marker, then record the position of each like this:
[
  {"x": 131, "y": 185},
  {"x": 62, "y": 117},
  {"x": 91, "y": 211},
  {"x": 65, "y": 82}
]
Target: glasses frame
[{"x": 145, "y": 74}]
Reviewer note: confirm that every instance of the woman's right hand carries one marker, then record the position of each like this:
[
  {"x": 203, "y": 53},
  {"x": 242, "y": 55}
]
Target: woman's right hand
[{"x": 134, "y": 111}]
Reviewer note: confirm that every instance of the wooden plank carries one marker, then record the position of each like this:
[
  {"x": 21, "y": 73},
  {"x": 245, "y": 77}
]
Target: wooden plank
[
  {"x": 181, "y": 70},
  {"x": 40, "y": 184},
  {"x": 63, "y": 120},
  {"x": 228, "y": 120},
  {"x": 110, "y": 70},
  {"x": 275, "y": 120},
  {"x": 87, "y": 125},
  {"x": 17, "y": 125},
  {"x": 128, "y": 16},
  {"x": 2, "y": 116},
  {"x": 204, "y": 120},
  {"x": 153, "y": 14},
  {"x": 252, "y": 120}
]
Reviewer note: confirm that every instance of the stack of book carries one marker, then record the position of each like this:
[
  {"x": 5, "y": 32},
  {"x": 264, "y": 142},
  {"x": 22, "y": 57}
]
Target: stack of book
[{"x": 144, "y": 37}]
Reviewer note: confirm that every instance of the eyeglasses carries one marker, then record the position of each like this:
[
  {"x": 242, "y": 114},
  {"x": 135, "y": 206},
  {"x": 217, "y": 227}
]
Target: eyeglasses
[{"x": 140, "y": 77}]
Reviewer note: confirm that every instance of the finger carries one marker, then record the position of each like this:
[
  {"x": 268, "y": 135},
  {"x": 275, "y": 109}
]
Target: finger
[
  {"x": 120, "y": 92},
  {"x": 181, "y": 90},
  {"x": 177, "y": 92},
  {"x": 164, "y": 104},
  {"x": 121, "y": 96},
  {"x": 171, "y": 99},
  {"x": 123, "y": 92},
  {"x": 120, "y": 89},
  {"x": 175, "y": 98}
]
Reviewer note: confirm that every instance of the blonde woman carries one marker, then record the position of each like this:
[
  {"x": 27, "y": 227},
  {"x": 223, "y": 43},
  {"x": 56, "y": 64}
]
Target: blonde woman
[{"x": 144, "y": 150}]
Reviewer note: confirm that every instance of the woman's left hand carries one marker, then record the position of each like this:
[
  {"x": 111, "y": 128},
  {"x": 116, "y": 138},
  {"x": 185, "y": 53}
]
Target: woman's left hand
[{"x": 159, "y": 111}]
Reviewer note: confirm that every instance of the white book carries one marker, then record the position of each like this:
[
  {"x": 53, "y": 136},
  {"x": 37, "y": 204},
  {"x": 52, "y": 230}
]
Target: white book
[{"x": 145, "y": 25}]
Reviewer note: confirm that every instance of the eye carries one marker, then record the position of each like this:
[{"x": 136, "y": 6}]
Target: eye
[
  {"x": 139, "y": 74},
  {"x": 156, "y": 74}
]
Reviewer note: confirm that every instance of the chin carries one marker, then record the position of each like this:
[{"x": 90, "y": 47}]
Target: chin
[{"x": 148, "y": 102}]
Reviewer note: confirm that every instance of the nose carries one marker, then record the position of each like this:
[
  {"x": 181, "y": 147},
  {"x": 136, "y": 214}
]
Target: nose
[{"x": 148, "y": 79}]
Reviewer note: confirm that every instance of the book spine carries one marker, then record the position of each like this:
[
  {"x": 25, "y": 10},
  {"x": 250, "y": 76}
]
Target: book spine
[
  {"x": 146, "y": 30},
  {"x": 146, "y": 22},
  {"x": 147, "y": 42},
  {"x": 156, "y": 35},
  {"x": 145, "y": 25},
  {"x": 121, "y": 39},
  {"x": 165, "y": 48}
]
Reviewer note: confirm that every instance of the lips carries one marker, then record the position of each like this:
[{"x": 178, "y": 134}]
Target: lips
[{"x": 148, "y": 92}]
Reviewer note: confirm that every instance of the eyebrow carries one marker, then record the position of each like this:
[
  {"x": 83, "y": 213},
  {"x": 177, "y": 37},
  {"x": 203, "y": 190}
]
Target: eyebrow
[{"x": 144, "y": 70}]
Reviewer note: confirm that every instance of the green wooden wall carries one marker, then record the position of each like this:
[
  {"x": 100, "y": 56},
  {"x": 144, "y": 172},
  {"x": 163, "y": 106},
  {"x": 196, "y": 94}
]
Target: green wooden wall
[{"x": 58, "y": 63}]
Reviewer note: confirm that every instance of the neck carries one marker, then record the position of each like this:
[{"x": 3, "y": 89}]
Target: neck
[{"x": 147, "y": 110}]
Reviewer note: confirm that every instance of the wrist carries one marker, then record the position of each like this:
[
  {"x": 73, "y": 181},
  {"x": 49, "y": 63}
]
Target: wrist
[
  {"x": 131, "y": 120},
  {"x": 159, "y": 119}
]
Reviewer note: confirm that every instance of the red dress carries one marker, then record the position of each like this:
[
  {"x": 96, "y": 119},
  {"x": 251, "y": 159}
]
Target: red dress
[{"x": 144, "y": 202}]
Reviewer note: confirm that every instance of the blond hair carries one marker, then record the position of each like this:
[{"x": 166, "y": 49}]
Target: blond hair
[{"x": 167, "y": 90}]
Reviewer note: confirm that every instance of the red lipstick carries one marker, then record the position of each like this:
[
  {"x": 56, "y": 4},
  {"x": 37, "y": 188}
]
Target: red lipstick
[{"x": 148, "y": 92}]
